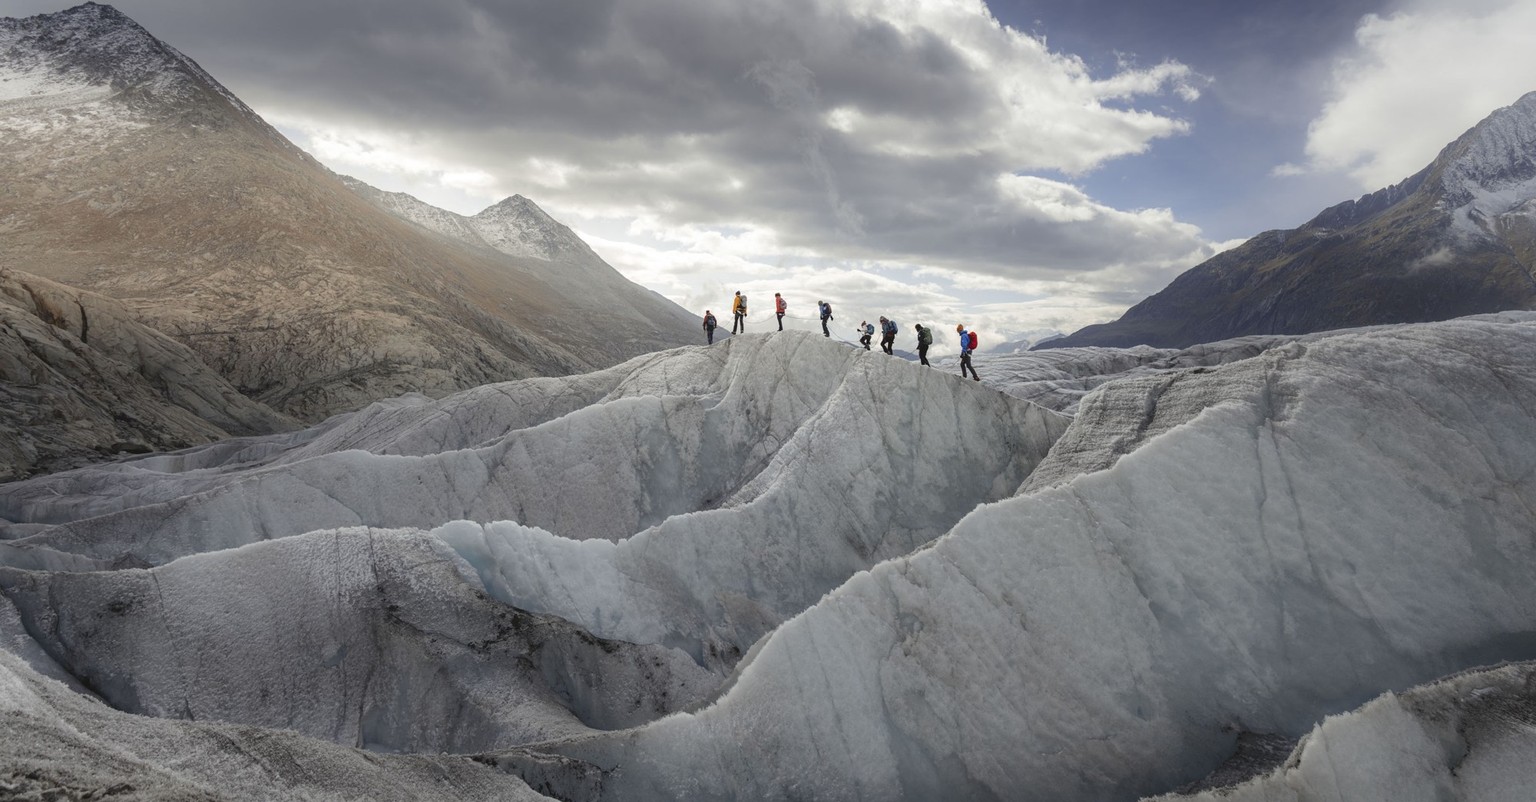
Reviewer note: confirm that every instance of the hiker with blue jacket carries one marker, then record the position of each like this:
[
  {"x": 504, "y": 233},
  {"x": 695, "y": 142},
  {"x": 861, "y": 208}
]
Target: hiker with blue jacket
[
  {"x": 887, "y": 335},
  {"x": 967, "y": 343},
  {"x": 826, "y": 314}
]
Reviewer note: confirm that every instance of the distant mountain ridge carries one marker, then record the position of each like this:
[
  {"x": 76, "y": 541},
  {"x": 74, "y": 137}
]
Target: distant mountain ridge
[
  {"x": 515, "y": 226},
  {"x": 1457, "y": 238},
  {"x": 126, "y": 170}
]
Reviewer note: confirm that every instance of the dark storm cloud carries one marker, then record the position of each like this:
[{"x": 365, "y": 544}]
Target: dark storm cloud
[{"x": 868, "y": 129}]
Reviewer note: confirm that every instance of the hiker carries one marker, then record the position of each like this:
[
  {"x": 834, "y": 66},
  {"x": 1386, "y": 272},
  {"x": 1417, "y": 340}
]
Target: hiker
[
  {"x": 868, "y": 330},
  {"x": 739, "y": 311},
  {"x": 967, "y": 344},
  {"x": 924, "y": 339},
  {"x": 778, "y": 307},
  {"x": 826, "y": 315},
  {"x": 709, "y": 326},
  {"x": 887, "y": 335}
]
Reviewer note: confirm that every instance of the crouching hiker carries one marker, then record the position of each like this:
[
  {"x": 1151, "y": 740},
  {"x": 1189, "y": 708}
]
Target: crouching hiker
[
  {"x": 866, "y": 329},
  {"x": 924, "y": 339},
  {"x": 967, "y": 345}
]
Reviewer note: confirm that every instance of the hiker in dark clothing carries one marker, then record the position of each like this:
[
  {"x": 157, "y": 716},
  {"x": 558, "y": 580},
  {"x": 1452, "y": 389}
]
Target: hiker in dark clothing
[
  {"x": 778, "y": 308},
  {"x": 868, "y": 333},
  {"x": 739, "y": 312},
  {"x": 966, "y": 343},
  {"x": 826, "y": 315},
  {"x": 924, "y": 339},
  {"x": 709, "y": 326},
  {"x": 887, "y": 335}
]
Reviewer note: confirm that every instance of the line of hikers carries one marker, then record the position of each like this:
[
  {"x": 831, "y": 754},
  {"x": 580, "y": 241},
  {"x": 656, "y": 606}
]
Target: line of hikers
[{"x": 866, "y": 330}]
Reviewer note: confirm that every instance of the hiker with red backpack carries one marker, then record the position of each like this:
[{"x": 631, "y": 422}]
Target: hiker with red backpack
[
  {"x": 778, "y": 307},
  {"x": 967, "y": 345}
]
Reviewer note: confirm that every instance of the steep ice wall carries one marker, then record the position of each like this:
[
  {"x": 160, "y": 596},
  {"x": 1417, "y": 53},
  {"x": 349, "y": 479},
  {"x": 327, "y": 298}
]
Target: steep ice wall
[
  {"x": 1468, "y": 737},
  {"x": 744, "y": 481},
  {"x": 1357, "y": 519},
  {"x": 604, "y": 455},
  {"x": 888, "y": 462},
  {"x": 61, "y": 745},
  {"x": 366, "y": 638}
]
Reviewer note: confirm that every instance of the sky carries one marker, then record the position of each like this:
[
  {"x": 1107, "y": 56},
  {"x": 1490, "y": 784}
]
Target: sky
[{"x": 1020, "y": 166}]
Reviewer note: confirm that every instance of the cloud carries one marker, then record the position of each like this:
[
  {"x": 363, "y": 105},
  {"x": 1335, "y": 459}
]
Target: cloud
[
  {"x": 840, "y": 125},
  {"x": 1417, "y": 80}
]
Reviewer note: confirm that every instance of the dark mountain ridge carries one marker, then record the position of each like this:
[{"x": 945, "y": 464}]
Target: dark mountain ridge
[{"x": 1457, "y": 238}]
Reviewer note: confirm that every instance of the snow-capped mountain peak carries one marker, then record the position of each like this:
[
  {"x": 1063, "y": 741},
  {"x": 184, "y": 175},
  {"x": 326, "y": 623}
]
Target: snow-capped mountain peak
[
  {"x": 96, "y": 45},
  {"x": 1491, "y": 171},
  {"x": 519, "y": 227}
]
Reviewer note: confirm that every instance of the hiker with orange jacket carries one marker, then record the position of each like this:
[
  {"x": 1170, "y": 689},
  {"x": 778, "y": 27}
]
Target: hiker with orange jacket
[
  {"x": 739, "y": 312},
  {"x": 779, "y": 307}
]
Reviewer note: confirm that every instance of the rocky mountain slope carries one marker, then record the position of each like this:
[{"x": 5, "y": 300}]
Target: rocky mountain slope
[
  {"x": 128, "y": 171},
  {"x": 81, "y": 379},
  {"x": 1458, "y": 238}
]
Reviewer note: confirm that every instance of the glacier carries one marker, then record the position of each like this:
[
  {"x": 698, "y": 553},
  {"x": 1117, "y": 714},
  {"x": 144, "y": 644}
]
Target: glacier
[
  {"x": 1468, "y": 736},
  {"x": 784, "y": 568},
  {"x": 1349, "y": 514}
]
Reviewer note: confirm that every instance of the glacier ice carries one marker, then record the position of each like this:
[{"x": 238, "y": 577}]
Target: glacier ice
[
  {"x": 372, "y": 639},
  {"x": 919, "y": 587},
  {"x": 1469, "y": 736},
  {"x": 1358, "y": 518},
  {"x": 58, "y": 744},
  {"x": 782, "y": 464}
]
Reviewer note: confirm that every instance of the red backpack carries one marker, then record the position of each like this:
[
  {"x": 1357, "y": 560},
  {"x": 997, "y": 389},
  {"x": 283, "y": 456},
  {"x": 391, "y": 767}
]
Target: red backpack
[{"x": 972, "y": 345}]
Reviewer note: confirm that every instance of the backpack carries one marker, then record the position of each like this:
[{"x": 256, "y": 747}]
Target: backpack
[
  {"x": 826, "y": 311},
  {"x": 925, "y": 336},
  {"x": 972, "y": 345},
  {"x": 890, "y": 327}
]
